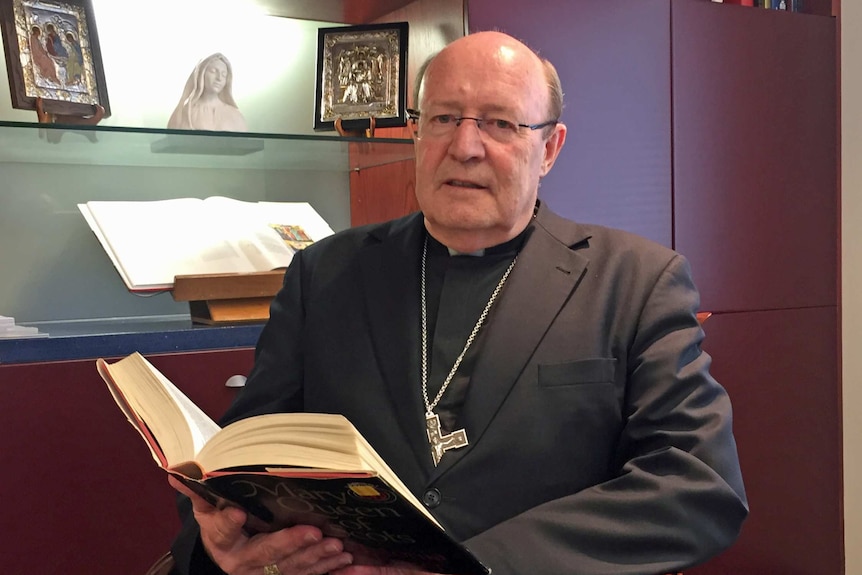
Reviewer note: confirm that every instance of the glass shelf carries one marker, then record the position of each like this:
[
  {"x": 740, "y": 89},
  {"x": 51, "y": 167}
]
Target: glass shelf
[
  {"x": 54, "y": 275},
  {"x": 145, "y": 147}
]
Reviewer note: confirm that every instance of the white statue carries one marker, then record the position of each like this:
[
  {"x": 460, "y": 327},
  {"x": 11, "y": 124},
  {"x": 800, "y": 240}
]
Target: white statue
[{"x": 207, "y": 102}]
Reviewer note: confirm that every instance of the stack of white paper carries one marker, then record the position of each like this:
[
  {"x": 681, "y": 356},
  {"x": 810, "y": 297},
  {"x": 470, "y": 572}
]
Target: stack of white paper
[{"x": 8, "y": 329}]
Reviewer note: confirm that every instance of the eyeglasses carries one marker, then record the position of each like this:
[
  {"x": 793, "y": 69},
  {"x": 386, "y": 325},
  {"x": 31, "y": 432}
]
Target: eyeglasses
[{"x": 443, "y": 126}]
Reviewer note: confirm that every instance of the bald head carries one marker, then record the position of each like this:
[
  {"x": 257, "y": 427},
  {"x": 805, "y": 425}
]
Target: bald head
[{"x": 495, "y": 50}]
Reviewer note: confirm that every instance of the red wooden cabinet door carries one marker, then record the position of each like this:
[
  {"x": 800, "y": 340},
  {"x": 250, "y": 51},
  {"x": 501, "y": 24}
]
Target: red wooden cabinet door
[
  {"x": 755, "y": 155},
  {"x": 81, "y": 493},
  {"x": 780, "y": 370}
]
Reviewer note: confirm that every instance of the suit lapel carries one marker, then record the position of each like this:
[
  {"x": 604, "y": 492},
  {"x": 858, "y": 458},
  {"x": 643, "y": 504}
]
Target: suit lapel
[
  {"x": 390, "y": 276},
  {"x": 523, "y": 313}
]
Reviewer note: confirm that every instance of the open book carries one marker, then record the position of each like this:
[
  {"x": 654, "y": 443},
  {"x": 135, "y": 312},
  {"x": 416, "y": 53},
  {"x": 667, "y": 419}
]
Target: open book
[
  {"x": 286, "y": 469},
  {"x": 151, "y": 242}
]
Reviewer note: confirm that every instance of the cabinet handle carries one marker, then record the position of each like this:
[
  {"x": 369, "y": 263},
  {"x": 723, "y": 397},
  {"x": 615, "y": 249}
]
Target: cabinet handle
[{"x": 235, "y": 381}]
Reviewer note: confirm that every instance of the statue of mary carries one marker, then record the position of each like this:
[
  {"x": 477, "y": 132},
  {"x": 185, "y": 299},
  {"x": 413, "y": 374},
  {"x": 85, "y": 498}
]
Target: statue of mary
[{"x": 207, "y": 102}]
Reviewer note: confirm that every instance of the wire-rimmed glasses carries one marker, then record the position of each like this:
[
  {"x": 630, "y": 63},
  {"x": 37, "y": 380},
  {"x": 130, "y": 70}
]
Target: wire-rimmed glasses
[{"x": 444, "y": 125}]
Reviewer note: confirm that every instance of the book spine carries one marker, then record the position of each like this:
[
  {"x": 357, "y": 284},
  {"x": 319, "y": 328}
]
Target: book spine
[{"x": 815, "y": 7}]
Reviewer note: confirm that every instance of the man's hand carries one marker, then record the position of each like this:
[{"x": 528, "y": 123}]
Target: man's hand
[{"x": 299, "y": 550}]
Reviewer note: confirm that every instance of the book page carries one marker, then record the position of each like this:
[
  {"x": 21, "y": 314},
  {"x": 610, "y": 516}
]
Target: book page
[
  {"x": 103, "y": 241},
  {"x": 315, "y": 440},
  {"x": 151, "y": 242},
  {"x": 154, "y": 241},
  {"x": 271, "y": 232},
  {"x": 298, "y": 223},
  {"x": 320, "y": 441},
  {"x": 248, "y": 230},
  {"x": 201, "y": 426},
  {"x": 131, "y": 416},
  {"x": 144, "y": 393}
]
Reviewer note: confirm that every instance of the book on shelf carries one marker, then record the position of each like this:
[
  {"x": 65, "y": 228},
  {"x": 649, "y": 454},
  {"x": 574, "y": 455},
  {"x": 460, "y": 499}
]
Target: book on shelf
[
  {"x": 786, "y": 5},
  {"x": 286, "y": 469},
  {"x": 152, "y": 242},
  {"x": 816, "y": 7}
]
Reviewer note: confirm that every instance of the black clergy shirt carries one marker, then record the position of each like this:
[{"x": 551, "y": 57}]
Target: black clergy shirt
[{"x": 457, "y": 290}]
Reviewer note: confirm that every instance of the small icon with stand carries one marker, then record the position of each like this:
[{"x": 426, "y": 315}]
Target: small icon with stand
[{"x": 54, "y": 136}]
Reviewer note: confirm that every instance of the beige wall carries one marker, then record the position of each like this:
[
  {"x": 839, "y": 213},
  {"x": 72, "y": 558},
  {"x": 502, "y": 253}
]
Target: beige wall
[{"x": 851, "y": 269}]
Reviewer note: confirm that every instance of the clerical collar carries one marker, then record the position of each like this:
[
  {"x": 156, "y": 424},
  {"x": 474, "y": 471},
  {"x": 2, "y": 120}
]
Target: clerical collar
[
  {"x": 477, "y": 253},
  {"x": 512, "y": 246}
]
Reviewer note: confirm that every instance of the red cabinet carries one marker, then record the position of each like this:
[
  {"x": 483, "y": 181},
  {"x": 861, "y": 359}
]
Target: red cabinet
[
  {"x": 755, "y": 155},
  {"x": 81, "y": 495},
  {"x": 780, "y": 367}
]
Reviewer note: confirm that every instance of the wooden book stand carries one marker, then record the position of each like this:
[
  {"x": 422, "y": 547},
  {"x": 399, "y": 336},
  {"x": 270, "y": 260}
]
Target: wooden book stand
[{"x": 216, "y": 299}]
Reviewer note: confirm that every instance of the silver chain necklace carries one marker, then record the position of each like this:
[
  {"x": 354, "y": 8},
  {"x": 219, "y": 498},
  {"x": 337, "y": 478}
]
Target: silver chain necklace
[{"x": 441, "y": 443}]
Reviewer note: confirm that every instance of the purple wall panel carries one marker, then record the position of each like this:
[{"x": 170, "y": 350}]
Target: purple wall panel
[{"x": 614, "y": 61}]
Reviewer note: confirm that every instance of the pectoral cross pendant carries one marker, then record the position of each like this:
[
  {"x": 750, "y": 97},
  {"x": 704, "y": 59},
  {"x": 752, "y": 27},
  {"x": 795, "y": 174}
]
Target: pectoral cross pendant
[{"x": 441, "y": 443}]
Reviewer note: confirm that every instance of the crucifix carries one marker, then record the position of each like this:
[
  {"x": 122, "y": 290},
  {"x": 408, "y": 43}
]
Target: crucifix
[{"x": 441, "y": 443}]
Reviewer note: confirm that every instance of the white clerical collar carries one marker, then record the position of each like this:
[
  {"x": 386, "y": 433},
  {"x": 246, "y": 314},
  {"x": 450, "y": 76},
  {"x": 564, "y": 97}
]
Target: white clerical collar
[{"x": 477, "y": 253}]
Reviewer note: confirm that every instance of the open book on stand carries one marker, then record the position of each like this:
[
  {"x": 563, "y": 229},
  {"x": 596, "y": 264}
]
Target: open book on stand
[
  {"x": 152, "y": 242},
  {"x": 286, "y": 469}
]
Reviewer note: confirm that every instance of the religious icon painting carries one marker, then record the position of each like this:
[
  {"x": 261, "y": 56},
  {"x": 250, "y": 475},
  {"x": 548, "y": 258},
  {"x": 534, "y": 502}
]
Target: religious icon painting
[
  {"x": 361, "y": 75},
  {"x": 52, "y": 53}
]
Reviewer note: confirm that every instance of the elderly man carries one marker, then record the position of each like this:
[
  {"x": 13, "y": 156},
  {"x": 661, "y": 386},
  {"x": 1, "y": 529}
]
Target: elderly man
[{"x": 564, "y": 357}]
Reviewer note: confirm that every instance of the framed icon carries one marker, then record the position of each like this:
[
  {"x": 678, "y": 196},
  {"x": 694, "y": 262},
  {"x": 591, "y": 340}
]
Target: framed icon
[
  {"x": 361, "y": 74},
  {"x": 52, "y": 53}
]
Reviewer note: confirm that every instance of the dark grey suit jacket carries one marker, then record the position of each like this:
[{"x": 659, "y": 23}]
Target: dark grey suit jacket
[{"x": 599, "y": 443}]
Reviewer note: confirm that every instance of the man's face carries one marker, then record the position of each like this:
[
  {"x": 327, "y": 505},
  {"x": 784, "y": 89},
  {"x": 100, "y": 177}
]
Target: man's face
[{"x": 475, "y": 190}]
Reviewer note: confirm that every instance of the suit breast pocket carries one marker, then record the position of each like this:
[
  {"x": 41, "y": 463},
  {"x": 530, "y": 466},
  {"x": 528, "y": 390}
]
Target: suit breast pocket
[
  {"x": 579, "y": 372},
  {"x": 580, "y": 407}
]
